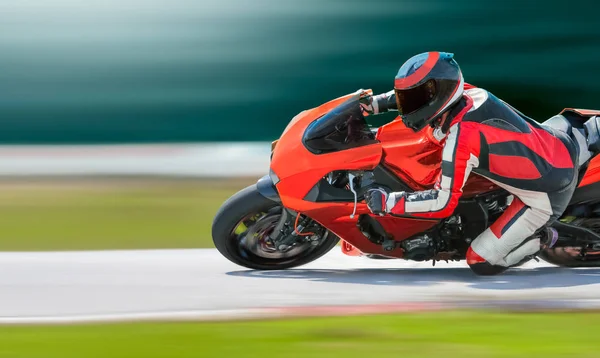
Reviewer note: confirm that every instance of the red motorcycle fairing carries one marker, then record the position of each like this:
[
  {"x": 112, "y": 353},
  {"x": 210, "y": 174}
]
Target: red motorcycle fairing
[
  {"x": 414, "y": 157},
  {"x": 299, "y": 170},
  {"x": 592, "y": 174}
]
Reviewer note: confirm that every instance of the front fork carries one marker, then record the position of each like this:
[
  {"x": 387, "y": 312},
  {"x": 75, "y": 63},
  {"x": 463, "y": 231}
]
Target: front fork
[{"x": 284, "y": 236}]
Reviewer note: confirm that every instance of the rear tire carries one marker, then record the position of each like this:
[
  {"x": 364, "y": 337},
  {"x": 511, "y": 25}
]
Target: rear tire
[
  {"x": 570, "y": 256},
  {"x": 249, "y": 203}
]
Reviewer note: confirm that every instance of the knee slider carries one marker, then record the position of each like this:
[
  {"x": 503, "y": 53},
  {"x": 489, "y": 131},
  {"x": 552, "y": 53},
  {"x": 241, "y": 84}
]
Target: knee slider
[
  {"x": 487, "y": 269},
  {"x": 480, "y": 266}
]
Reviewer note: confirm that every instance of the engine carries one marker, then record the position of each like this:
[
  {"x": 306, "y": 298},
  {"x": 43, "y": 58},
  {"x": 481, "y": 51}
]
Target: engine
[
  {"x": 445, "y": 243},
  {"x": 434, "y": 245},
  {"x": 421, "y": 248},
  {"x": 449, "y": 240}
]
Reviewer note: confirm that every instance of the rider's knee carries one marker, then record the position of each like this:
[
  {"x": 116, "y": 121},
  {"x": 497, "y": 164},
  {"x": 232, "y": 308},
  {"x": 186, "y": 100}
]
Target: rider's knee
[{"x": 480, "y": 266}]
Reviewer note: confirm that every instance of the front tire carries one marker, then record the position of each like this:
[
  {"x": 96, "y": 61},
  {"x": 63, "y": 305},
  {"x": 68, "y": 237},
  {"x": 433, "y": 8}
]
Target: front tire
[{"x": 241, "y": 228}]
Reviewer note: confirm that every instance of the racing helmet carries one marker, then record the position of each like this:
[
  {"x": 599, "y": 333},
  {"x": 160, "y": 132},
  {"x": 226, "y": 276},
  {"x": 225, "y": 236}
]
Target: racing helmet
[{"x": 426, "y": 86}]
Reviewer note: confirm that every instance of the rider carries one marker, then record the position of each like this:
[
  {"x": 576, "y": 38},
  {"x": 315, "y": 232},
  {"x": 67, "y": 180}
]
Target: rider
[{"x": 480, "y": 134}]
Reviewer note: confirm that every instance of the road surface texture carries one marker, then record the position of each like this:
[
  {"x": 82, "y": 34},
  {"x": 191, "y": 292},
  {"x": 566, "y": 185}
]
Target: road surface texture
[{"x": 200, "y": 284}]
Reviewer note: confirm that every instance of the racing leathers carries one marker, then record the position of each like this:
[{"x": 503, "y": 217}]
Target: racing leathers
[{"x": 485, "y": 136}]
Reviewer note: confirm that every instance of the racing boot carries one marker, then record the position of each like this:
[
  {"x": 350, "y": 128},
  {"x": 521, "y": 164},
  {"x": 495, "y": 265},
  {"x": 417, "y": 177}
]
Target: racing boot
[{"x": 548, "y": 237}]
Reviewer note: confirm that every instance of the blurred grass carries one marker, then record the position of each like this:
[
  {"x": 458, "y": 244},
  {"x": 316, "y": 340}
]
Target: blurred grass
[
  {"x": 87, "y": 214},
  {"x": 449, "y": 335}
]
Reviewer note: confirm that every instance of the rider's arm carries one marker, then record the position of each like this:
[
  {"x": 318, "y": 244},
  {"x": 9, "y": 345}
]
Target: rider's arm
[
  {"x": 382, "y": 103},
  {"x": 459, "y": 157},
  {"x": 385, "y": 102}
]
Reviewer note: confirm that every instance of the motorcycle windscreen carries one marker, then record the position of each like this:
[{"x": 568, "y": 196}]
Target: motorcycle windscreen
[{"x": 342, "y": 128}]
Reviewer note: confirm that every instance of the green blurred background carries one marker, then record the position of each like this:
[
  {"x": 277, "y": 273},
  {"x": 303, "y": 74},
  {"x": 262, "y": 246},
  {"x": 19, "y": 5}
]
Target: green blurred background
[
  {"x": 151, "y": 71},
  {"x": 210, "y": 70}
]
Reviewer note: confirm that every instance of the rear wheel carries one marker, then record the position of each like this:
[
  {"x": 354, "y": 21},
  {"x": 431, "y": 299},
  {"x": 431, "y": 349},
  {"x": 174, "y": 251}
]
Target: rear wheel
[
  {"x": 575, "y": 256},
  {"x": 570, "y": 257},
  {"x": 242, "y": 232}
]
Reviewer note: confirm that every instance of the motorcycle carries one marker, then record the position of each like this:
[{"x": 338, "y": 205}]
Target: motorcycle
[{"x": 328, "y": 157}]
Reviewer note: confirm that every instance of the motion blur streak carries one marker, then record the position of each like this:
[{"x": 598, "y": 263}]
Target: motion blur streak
[{"x": 207, "y": 70}]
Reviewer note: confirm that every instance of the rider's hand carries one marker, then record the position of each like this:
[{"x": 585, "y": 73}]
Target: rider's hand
[
  {"x": 377, "y": 201},
  {"x": 366, "y": 103}
]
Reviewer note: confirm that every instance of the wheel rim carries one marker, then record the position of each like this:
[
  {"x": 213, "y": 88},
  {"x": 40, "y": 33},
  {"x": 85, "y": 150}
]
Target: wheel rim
[{"x": 250, "y": 240}]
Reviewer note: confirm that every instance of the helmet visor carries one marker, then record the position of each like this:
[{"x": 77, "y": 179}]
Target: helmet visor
[{"x": 412, "y": 99}]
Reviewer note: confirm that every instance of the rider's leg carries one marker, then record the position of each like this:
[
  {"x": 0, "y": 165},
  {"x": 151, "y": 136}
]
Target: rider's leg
[
  {"x": 503, "y": 244},
  {"x": 511, "y": 238}
]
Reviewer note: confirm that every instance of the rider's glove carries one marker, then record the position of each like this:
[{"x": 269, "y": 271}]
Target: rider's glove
[
  {"x": 377, "y": 201},
  {"x": 366, "y": 103}
]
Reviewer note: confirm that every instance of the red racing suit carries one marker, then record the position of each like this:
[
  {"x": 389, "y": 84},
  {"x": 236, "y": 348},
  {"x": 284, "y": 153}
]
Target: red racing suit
[{"x": 487, "y": 137}]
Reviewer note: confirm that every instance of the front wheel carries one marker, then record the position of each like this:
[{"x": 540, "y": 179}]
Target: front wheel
[{"x": 242, "y": 228}]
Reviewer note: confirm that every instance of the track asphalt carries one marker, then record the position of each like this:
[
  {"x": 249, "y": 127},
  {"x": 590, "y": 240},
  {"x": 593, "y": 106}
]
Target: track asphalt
[{"x": 57, "y": 287}]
